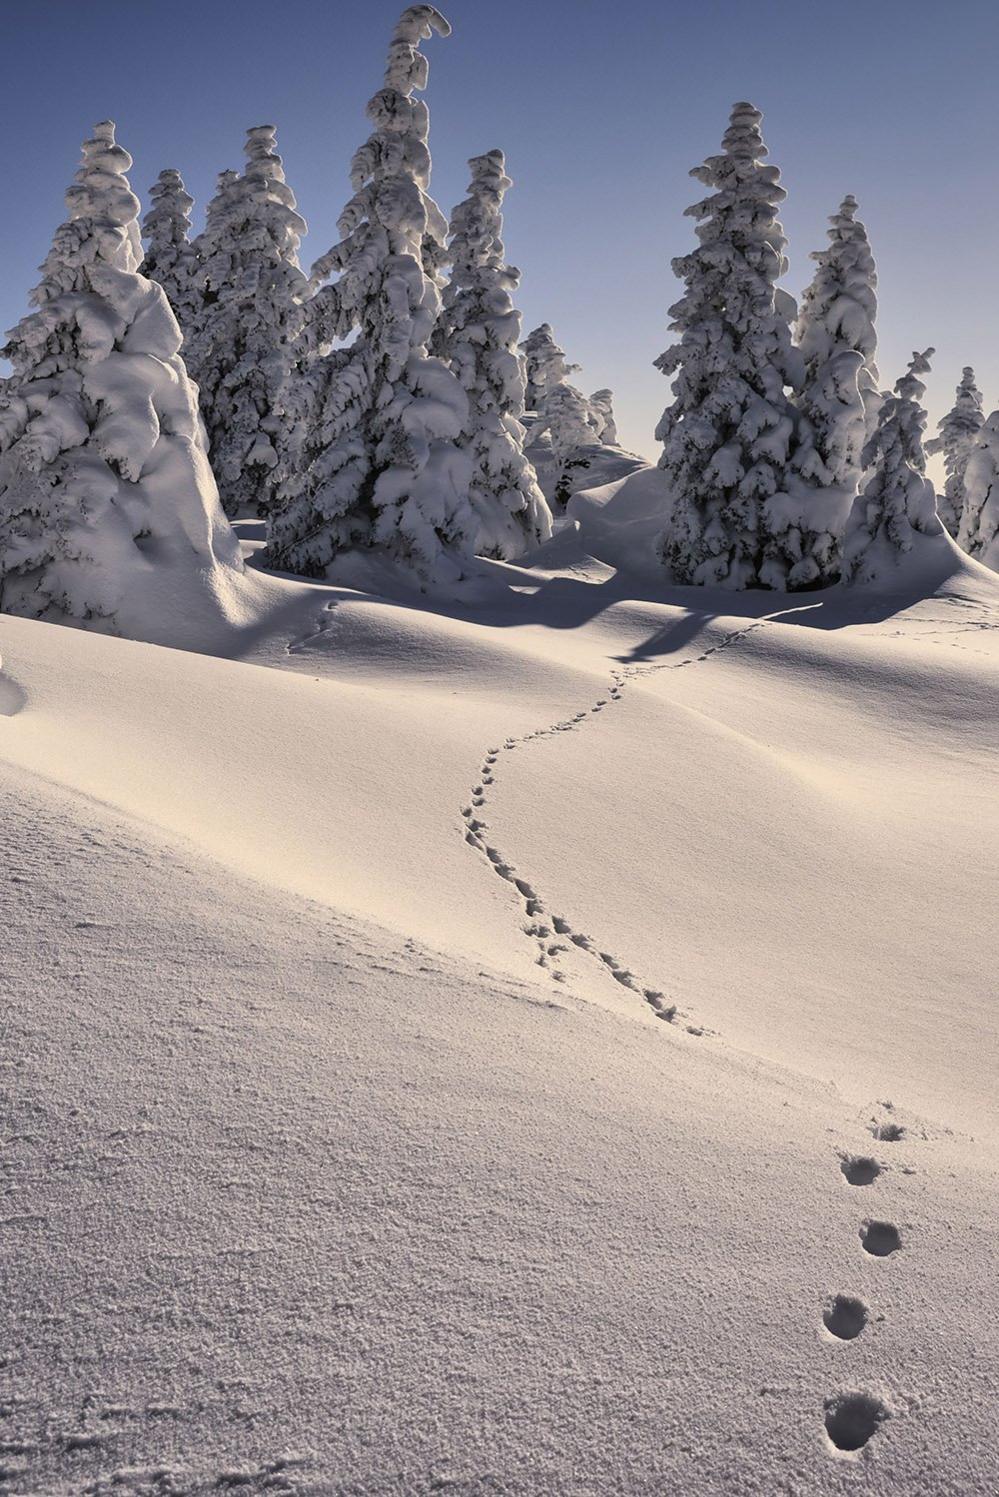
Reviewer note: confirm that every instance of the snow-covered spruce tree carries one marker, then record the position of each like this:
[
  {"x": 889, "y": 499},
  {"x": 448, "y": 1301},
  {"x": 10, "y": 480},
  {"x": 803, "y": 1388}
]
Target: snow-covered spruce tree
[
  {"x": 837, "y": 408},
  {"x": 979, "y": 532},
  {"x": 476, "y": 335},
  {"x": 170, "y": 259},
  {"x": 838, "y": 313},
  {"x": 729, "y": 433},
  {"x": 602, "y": 408},
  {"x": 381, "y": 465},
  {"x": 108, "y": 508},
  {"x": 242, "y": 344},
  {"x": 545, "y": 366},
  {"x": 897, "y": 503},
  {"x": 566, "y": 418},
  {"x": 958, "y": 431}
]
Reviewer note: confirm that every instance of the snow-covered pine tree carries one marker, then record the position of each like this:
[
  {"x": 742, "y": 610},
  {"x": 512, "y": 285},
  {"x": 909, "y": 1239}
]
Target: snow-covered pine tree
[
  {"x": 602, "y": 407},
  {"x": 979, "y": 532},
  {"x": 108, "y": 508},
  {"x": 242, "y": 344},
  {"x": 545, "y": 366},
  {"x": 729, "y": 433},
  {"x": 897, "y": 503},
  {"x": 476, "y": 335},
  {"x": 837, "y": 408},
  {"x": 170, "y": 259},
  {"x": 958, "y": 431},
  {"x": 381, "y": 466}
]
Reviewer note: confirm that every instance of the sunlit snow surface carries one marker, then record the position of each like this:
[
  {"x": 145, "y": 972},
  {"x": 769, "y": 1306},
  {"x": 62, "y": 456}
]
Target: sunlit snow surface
[{"x": 439, "y": 1038}]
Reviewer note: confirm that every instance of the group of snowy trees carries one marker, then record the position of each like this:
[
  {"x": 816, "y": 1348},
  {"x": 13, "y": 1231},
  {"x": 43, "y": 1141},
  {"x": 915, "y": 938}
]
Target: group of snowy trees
[
  {"x": 373, "y": 403},
  {"x": 789, "y": 468},
  {"x": 385, "y": 401}
]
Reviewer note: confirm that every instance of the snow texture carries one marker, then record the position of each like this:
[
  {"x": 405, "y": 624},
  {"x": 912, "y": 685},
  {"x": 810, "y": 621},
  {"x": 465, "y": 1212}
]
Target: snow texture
[
  {"x": 241, "y": 346},
  {"x": 979, "y": 534},
  {"x": 170, "y": 259},
  {"x": 108, "y": 507},
  {"x": 958, "y": 431},
  {"x": 897, "y": 504},
  {"x": 729, "y": 434},
  {"x": 378, "y": 421},
  {"x": 476, "y": 336}
]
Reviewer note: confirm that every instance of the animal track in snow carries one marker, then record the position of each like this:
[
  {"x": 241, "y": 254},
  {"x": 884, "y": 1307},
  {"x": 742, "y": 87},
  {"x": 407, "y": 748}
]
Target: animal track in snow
[
  {"x": 880, "y": 1239},
  {"x": 540, "y": 924},
  {"x": 860, "y": 1169},
  {"x": 844, "y": 1317},
  {"x": 852, "y": 1418},
  {"x": 888, "y": 1133}
]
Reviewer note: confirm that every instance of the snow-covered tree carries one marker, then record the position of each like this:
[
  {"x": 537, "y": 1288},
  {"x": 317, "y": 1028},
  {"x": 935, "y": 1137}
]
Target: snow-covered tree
[
  {"x": 979, "y": 532},
  {"x": 838, "y": 315},
  {"x": 170, "y": 259},
  {"x": 898, "y": 502},
  {"x": 379, "y": 464},
  {"x": 242, "y": 344},
  {"x": 958, "y": 431},
  {"x": 602, "y": 419},
  {"x": 729, "y": 433},
  {"x": 476, "y": 335},
  {"x": 545, "y": 365},
  {"x": 566, "y": 419},
  {"x": 837, "y": 408},
  {"x": 108, "y": 508}
]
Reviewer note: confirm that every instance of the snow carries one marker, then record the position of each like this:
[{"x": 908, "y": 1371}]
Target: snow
[{"x": 436, "y": 1033}]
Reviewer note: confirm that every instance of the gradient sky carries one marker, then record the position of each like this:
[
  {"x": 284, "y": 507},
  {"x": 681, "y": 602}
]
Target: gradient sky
[{"x": 601, "y": 109}]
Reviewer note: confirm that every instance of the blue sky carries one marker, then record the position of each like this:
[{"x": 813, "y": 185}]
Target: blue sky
[{"x": 601, "y": 109}]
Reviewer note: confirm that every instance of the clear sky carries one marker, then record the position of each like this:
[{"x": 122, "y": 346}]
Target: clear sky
[{"x": 602, "y": 110}]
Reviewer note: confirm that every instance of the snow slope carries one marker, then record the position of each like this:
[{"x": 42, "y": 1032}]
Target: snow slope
[{"x": 352, "y": 1140}]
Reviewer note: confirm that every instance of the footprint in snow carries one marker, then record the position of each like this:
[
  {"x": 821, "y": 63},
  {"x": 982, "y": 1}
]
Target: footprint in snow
[
  {"x": 880, "y": 1239},
  {"x": 844, "y": 1317},
  {"x": 860, "y": 1169},
  {"x": 851, "y": 1419}
]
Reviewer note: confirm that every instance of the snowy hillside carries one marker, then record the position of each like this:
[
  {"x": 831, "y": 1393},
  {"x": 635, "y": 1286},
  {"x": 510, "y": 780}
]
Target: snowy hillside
[
  {"x": 499, "y": 971},
  {"x": 440, "y": 1039}
]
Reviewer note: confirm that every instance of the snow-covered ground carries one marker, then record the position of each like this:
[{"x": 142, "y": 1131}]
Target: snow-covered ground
[{"x": 436, "y": 1035}]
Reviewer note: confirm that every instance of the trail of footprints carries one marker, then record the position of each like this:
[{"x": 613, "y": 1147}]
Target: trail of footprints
[
  {"x": 852, "y": 1418},
  {"x": 553, "y": 935}
]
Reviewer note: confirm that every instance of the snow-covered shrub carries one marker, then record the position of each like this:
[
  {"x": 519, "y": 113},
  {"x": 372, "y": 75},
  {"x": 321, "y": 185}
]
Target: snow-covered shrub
[
  {"x": 242, "y": 342},
  {"x": 105, "y": 484},
  {"x": 729, "y": 434},
  {"x": 602, "y": 417},
  {"x": 979, "y": 532},
  {"x": 897, "y": 503},
  {"x": 379, "y": 463},
  {"x": 476, "y": 335},
  {"x": 170, "y": 259},
  {"x": 544, "y": 366},
  {"x": 958, "y": 431}
]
